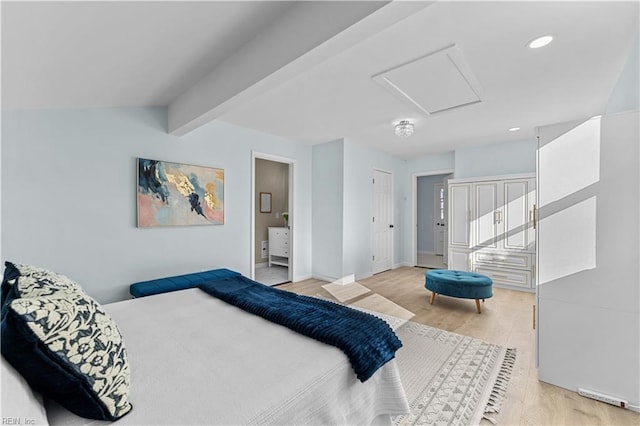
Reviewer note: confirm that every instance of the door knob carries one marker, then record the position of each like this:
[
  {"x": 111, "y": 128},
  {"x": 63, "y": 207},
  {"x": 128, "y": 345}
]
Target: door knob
[{"x": 390, "y": 226}]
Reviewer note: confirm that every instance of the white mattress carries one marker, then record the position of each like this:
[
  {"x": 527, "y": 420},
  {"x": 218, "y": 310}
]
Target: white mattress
[{"x": 197, "y": 360}]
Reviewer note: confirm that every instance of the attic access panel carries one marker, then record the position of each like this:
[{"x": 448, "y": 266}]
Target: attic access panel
[{"x": 437, "y": 82}]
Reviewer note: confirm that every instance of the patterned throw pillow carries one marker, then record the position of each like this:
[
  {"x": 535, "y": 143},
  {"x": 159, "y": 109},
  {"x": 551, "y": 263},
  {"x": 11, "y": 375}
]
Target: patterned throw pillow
[
  {"x": 30, "y": 281},
  {"x": 15, "y": 270},
  {"x": 31, "y": 286},
  {"x": 70, "y": 350}
]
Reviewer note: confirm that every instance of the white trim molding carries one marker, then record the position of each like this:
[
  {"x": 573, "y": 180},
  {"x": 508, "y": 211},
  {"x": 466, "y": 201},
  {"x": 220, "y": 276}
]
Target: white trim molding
[
  {"x": 291, "y": 162},
  {"x": 414, "y": 209}
]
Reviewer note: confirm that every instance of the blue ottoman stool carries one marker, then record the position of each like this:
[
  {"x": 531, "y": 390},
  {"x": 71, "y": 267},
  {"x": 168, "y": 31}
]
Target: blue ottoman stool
[{"x": 465, "y": 285}]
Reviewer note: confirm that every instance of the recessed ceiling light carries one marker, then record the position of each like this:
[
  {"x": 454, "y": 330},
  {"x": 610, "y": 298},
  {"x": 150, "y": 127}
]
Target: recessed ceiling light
[
  {"x": 540, "y": 42},
  {"x": 514, "y": 129}
]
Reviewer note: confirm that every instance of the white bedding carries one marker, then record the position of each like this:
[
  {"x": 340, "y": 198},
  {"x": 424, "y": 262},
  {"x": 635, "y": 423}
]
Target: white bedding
[{"x": 197, "y": 360}]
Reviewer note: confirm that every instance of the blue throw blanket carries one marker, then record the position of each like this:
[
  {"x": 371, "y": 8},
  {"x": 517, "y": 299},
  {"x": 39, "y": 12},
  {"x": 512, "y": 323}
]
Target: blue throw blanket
[{"x": 367, "y": 341}]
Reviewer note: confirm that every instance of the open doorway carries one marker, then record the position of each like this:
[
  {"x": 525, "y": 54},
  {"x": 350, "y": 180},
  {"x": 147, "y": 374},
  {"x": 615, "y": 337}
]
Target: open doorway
[
  {"x": 272, "y": 218},
  {"x": 430, "y": 214}
]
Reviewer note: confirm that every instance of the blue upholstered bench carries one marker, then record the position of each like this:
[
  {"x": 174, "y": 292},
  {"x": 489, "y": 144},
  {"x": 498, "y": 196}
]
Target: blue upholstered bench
[
  {"x": 179, "y": 282},
  {"x": 465, "y": 285}
]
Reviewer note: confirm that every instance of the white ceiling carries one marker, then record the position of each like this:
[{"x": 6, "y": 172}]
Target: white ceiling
[
  {"x": 90, "y": 54},
  {"x": 85, "y": 54}
]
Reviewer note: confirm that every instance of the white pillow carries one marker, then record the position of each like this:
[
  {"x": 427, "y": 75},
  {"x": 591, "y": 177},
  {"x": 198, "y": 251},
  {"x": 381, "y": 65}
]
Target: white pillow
[{"x": 19, "y": 402}]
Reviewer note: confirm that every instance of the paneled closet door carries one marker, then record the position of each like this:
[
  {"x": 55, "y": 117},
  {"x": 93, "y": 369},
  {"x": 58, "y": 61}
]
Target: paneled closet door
[
  {"x": 515, "y": 223},
  {"x": 486, "y": 215},
  {"x": 459, "y": 213}
]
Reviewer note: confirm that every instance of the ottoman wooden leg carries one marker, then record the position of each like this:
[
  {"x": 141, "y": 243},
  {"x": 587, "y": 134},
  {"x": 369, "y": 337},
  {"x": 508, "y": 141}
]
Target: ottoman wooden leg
[
  {"x": 478, "y": 305},
  {"x": 433, "y": 297}
]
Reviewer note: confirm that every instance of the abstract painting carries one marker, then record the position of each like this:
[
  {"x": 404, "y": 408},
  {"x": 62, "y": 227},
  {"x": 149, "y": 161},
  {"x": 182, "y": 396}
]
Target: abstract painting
[{"x": 173, "y": 194}]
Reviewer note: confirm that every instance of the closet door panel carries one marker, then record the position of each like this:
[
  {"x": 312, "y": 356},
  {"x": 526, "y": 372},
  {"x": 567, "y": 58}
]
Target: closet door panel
[
  {"x": 459, "y": 259},
  {"x": 511, "y": 277},
  {"x": 459, "y": 211},
  {"x": 485, "y": 216},
  {"x": 531, "y": 206},
  {"x": 515, "y": 219},
  {"x": 503, "y": 259}
]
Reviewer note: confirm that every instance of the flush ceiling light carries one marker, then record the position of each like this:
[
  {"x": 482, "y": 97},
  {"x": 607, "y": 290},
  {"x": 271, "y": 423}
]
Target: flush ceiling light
[
  {"x": 514, "y": 129},
  {"x": 540, "y": 42},
  {"x": 404, "y": 129}
]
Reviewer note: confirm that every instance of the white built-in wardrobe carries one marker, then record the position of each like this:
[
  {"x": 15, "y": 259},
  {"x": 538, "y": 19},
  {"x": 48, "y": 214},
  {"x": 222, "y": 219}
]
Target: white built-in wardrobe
[{"x": 491, "y": 228}]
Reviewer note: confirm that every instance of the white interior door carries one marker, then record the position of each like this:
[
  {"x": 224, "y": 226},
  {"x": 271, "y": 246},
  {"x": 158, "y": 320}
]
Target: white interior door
[
  {"x": 445, "y": 194},
  {"x": 439, "y": 221},
  {"x": 382, "y": 221}
]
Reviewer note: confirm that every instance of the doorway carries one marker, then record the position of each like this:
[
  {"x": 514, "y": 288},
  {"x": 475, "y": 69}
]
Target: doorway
[
  {"x": 272, "y": 219},
  {"x": 430, "y": 217}
]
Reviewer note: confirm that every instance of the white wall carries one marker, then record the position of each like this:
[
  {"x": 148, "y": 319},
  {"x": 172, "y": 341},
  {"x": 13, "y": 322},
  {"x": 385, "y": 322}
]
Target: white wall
[
  {"x": 327, "y": 235},
  {"x": 589, "y": 317},
  {"x": 496, "y": 159},
  {"x": 1, "y": 258},
  {"x": 589, "y": 246},
  {"x": 69, "y": 196},
  {"x": 487, "y": 160},
  {"x": 430, "y": 163},
  {"x": 343, "y": 208},
  {"x": 359, "y": 163},
  {"x": 626, "y": 95}
]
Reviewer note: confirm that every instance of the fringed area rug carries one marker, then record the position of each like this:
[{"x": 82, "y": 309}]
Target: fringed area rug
[{"x": 450, "y": 379}]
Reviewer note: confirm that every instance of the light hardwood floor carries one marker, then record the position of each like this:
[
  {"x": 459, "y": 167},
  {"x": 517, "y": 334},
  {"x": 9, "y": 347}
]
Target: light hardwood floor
[{"x": 506, "y": 320}]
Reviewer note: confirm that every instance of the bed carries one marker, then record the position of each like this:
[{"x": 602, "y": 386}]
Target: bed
[{"x": 195, "y": 359}]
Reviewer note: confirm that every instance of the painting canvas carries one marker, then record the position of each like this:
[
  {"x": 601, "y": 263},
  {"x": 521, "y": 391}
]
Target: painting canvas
[{"x": 173, "y": 194}]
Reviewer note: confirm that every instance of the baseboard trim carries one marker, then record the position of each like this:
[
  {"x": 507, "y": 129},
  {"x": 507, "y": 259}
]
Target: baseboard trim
[
  {"x": 347, "y": 279},
  {"x": 363, "y": 276},
  {"x": 323, "y": 278},
  {"x": 302, "y": 278},
  {"x": 514, "y": 287}
]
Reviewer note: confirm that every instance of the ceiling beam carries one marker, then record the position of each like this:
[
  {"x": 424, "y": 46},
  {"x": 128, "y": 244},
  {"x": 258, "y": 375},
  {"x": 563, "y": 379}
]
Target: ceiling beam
[{"x": 307, "y": 34}]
